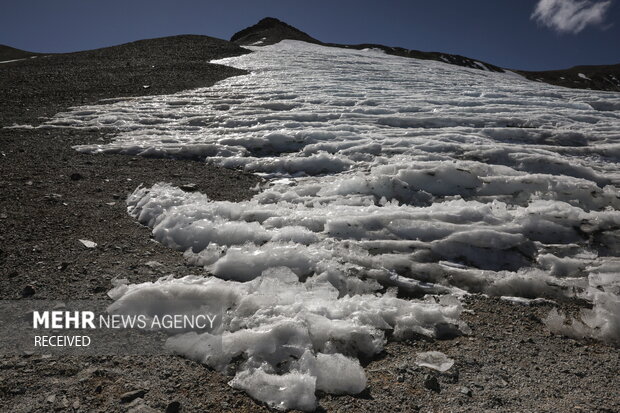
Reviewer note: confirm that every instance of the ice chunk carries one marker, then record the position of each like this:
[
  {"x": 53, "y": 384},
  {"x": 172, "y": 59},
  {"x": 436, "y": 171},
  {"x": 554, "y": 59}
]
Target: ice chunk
[
  {"x": 335, "y": 373},
  {"x": 526, "y": 301},
  {"x": 435, "y": 360},
  {"x": 282, "y": 392},
  {"x": 88, "y": 243},
  {"x": 601, "y": 322}
]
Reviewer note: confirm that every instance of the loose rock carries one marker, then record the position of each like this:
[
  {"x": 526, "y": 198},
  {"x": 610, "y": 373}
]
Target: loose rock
[
  {"x": 132, "y": 395},
  {"x": 431, "y": 383},
  {"x": 173, "y": 407},
  {"x": 28, "y": 291}
]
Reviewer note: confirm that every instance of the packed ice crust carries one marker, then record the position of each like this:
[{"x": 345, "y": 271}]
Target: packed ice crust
[
  {"x": 294, "y": 337},
  {"x": 382, "y": 174}
]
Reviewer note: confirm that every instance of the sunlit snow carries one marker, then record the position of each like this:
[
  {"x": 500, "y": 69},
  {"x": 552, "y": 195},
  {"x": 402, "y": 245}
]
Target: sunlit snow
[{"x": 382, "y": 172}]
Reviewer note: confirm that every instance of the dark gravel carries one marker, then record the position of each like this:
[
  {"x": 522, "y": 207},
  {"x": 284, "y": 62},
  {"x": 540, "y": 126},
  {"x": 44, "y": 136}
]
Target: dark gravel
[
  {"x": 603, "y": 77},
  {"x": 52, "y": 196},
  {"x": 47, "y": 84}
]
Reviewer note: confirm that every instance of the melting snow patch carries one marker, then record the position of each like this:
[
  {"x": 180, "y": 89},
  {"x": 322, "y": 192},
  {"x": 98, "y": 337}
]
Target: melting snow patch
[{"x": 294, "y": 337}]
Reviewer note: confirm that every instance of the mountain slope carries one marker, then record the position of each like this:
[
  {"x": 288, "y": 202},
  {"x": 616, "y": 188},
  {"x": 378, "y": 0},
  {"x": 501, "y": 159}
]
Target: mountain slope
[
  {"x": 603, "y": 77},
  {"x": 11, "y": 53},
  {"x": 153, "y": 66},
  {"x": 271, "y": 30}
]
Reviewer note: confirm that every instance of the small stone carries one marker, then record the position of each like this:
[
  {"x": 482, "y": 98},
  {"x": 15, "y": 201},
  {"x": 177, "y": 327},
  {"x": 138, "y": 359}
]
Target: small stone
[
  {"x": 446, "y": 331},
  {"x": 28, "y": 291},
  {"x": 189, "y": 187},
  {"x": 451, "y": 376},
  {"x": 466, "y": 391},
  {"x": 76, "y": 404},
  {"x": 51, "y": 398},
  {"x": 3, "y": 216},
  {"x": 431, "y": 383},
  {"x": 173, "y": 407},
  {"x": 52, "y": 197},
  {"x": 153, "y": 264},
  {"x": 29, "y": 183},
  {"x": 132, "y": 395}
]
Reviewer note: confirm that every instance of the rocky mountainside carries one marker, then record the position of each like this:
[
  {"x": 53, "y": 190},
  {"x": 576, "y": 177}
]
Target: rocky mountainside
[
  {"x": 603, "y": 77},
  {"x": 153, "y": 66},
  {"x": 270, "y": 30},
  {"x": 11, "y": 53}
]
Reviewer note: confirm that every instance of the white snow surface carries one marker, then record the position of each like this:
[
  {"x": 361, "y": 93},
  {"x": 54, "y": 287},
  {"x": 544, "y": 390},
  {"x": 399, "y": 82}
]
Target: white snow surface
[{"x": 382, "y": 172}]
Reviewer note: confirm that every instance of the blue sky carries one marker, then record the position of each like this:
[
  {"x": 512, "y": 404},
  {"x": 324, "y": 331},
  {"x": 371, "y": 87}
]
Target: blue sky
[{"x": 501, "y": 32}]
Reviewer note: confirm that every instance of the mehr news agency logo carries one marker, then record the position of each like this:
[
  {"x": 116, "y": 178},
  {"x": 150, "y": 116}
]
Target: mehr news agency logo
[{"x": 87, "y": 320}]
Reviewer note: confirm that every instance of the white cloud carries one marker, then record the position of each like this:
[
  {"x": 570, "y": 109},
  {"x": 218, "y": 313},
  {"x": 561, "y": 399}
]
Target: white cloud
[{"x": 570, "y": 16}]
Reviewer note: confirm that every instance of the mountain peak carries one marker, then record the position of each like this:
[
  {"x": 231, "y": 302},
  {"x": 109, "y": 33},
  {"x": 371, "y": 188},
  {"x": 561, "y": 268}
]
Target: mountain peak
[{"x": 269, "y": 31}]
